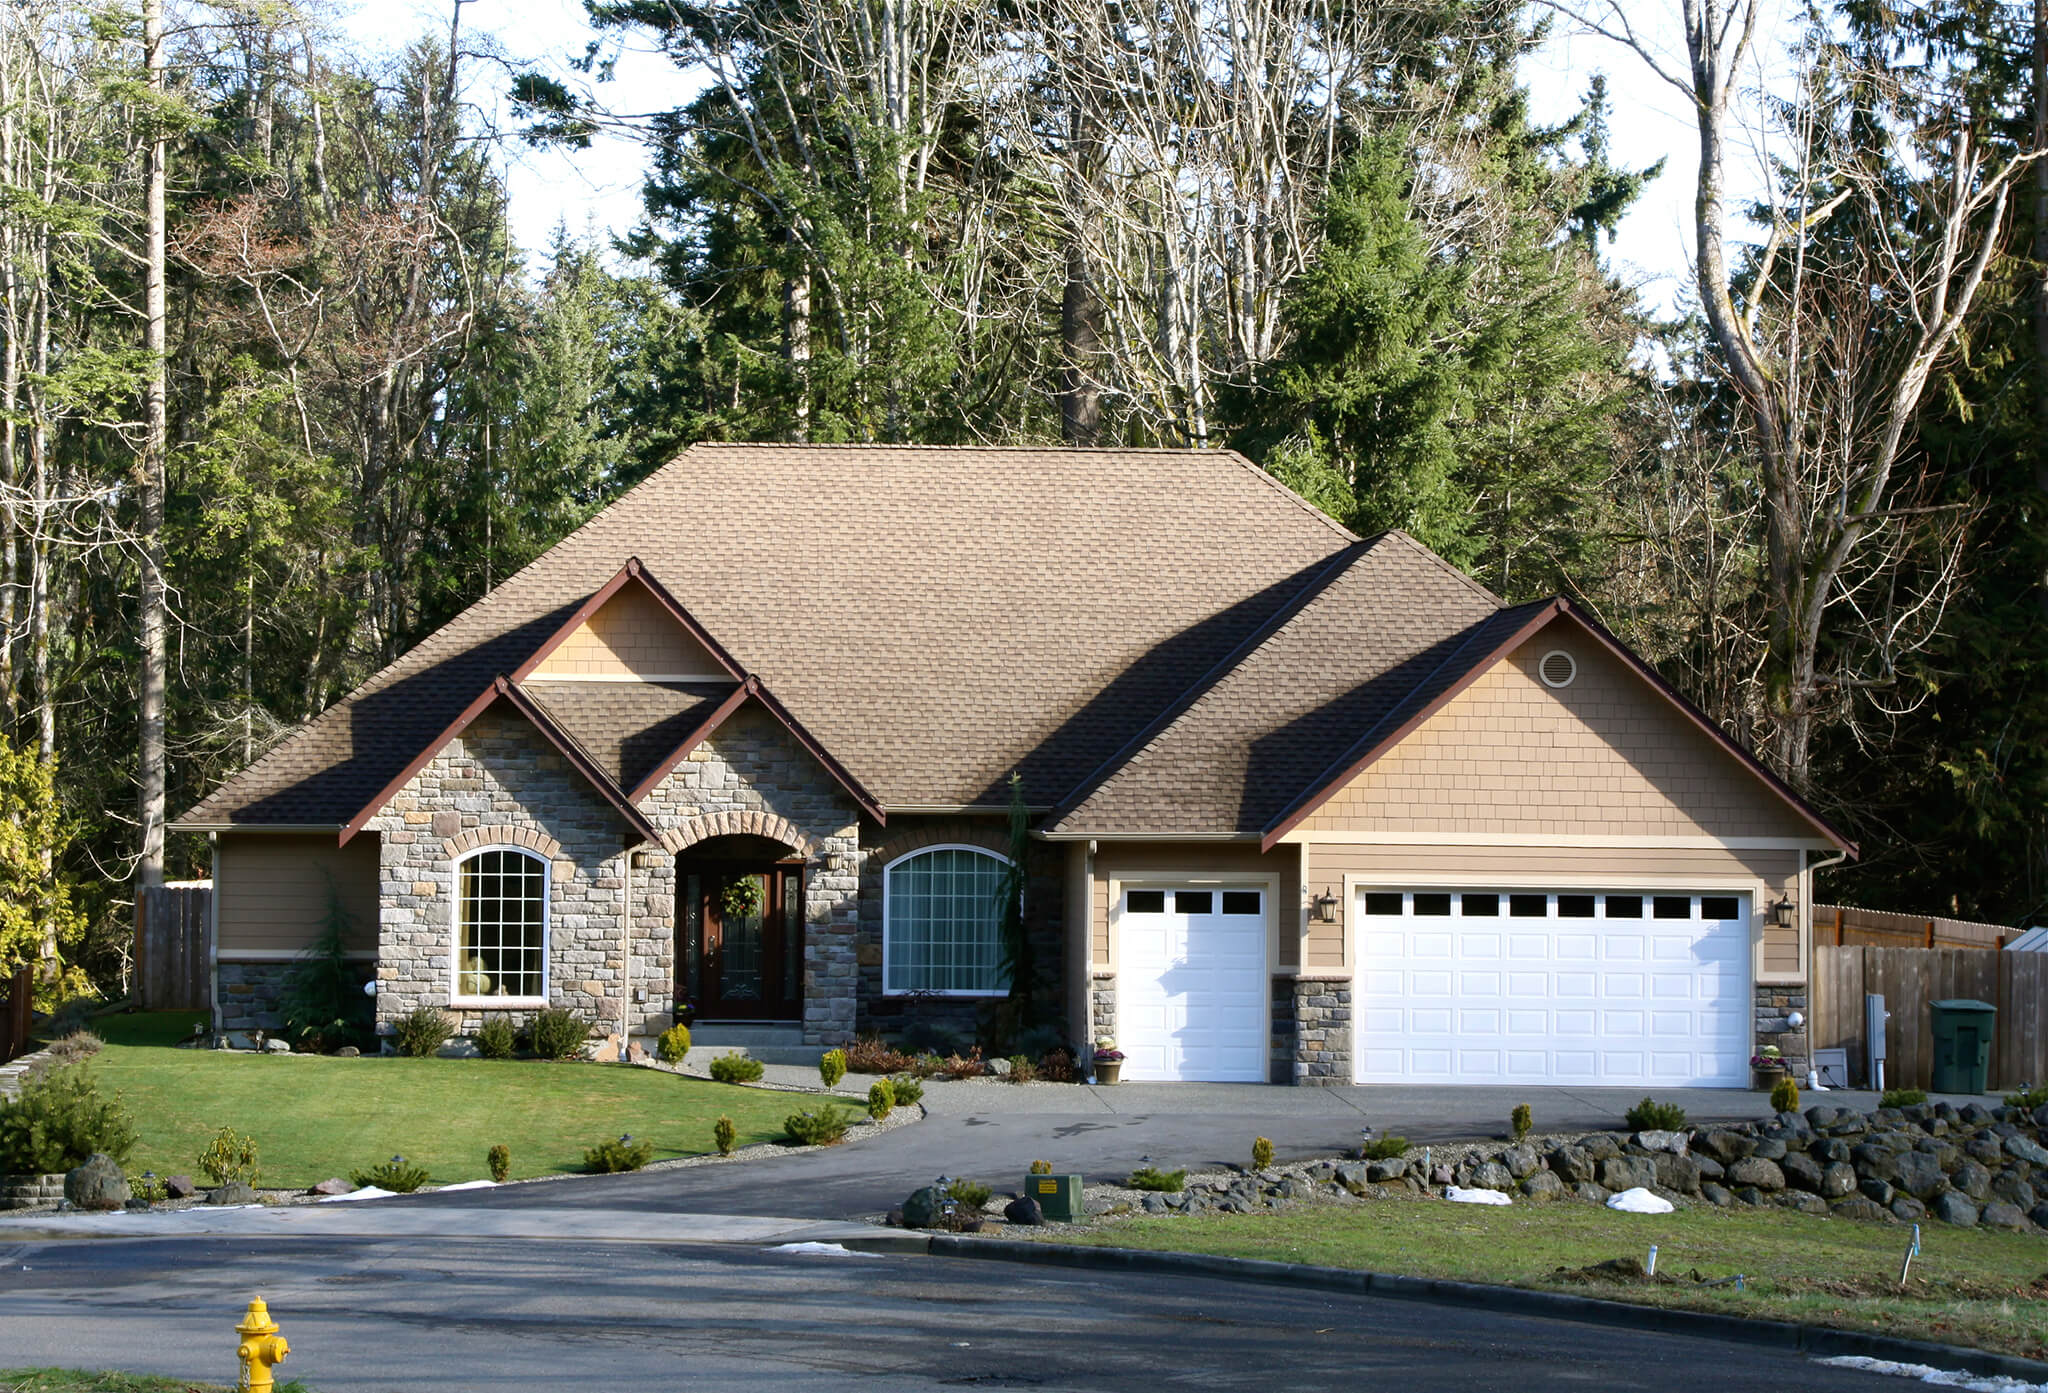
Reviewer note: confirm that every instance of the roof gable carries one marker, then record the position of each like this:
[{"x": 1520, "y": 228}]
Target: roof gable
[{"x": 631, "y": 637}]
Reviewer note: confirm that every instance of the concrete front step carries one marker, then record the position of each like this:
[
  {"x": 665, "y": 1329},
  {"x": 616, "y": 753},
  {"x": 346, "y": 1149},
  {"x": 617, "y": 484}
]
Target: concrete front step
[{"x": 771, "y": 1044}]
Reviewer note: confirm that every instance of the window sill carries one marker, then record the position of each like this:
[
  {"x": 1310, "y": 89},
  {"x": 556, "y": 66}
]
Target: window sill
[{"x": 502, "y": 1003}]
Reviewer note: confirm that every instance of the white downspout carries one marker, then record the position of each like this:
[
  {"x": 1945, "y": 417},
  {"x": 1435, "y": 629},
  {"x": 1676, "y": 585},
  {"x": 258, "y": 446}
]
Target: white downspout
[{"x": 626, "y": 955}]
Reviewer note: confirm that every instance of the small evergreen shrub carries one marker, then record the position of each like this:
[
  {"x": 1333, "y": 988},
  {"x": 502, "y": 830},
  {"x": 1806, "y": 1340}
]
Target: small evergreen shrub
[
  {"x": 1905, "y": 1097},
  {"x": 57, "y": 1121},
  {"x": 881, "y": 1099},
  {"x": 1151, "y": 1178},
  {"x": 871, "y": 1054},
  {"x": 422, "y": 1031},
  {"x": 149, "y": 1187},
  {"x": 926, "y": 1066},
  {"x": 971, "y": 1193},
  {"x": 722, "y": 1134},
  {"x": 500, "y": 1159},
  {"x": 1653, "y": 1116},
  {"x": 674, "y": 1045},
  {"x": 2030, "y": 1097},
  {"x": 1785, "y": 1096},
  {"x": 832, "y": 1067},
  {"x": 825, "y": 1127},
  {"x": 1059, "y": 1066},
  {"x": 907, "y": 1089},
  {"x": 322, "y": 999},
  {"x": 1387, "y": 1148},
  {"x": 1262, "y": 1153},
  {"x": 736, "y": 1068},
  {"x": 1022, "y": 1070},
  {"x": 398, "y": 1175},
  {"x": 1521, "y": 1121},
  {"x": 1041, "y": 1168},
  {"x": 558, "y": 1033},
  {"x": 613, "y": 1157},
  {"x": 229, "y": 1157},
  {"x": 497, "y": 1039}
]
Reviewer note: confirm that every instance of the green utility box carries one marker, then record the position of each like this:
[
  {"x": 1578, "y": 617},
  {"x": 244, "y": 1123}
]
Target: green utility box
[
  {"x": 1962, "y": 1045},
  {"x": 1058, "y": 1196}
]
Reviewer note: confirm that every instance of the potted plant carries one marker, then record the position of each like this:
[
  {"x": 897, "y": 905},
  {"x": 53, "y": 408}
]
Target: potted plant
[
  {"x": 1769, "y": 1066},
  {"x": 1109, "y": 1061}
]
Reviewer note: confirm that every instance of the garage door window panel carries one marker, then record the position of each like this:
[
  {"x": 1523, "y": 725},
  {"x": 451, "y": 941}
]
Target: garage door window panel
[{"x": 942, "y": 923}]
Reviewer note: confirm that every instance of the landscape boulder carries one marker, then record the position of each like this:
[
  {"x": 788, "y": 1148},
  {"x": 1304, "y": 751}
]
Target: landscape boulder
[
  {"x": 1718, "y": 1195},
  {"x": 1492, "y": 1175},
  {"x": 98, "y": 1184},
  {"x": 1875, "y": 1190},
  {"x": 1973, "y": 1180},
  {"x": 1676, "y": 1143},
  {"x": 180, "y": 1187},
  {"x": 2000, "y": 1215},
  {"x": 1954, "y": 1207},
  {"x": 2013, "y": 1188},
  {"x": 1521, "y": 1161},
  {"x": 1618, "y": 1173},
  {"x": 1857, "y": 1207},
  {"x": 1600, "y": 1145},
  {"x": 1757, "y": 1174},
  {"x": 1680, "y": 1174},
  {"x": 1908, "y": 1210},
  {"x": 1379, "y": 1172},
  {"x": 331, "y": 1186},
  {"x": 1837, "y": 1178},
  {"x": 1024, "y": 1210},
  {"x": 1571, "y": 1163},
  {"x": 1543, "y": 1185},
  {"x": 1770, "y": 1149},
  {"x": 1725, "y": 1146},
  {"x": 2021, "y": 1149},
  {"x": 1801, "y": 1173},
  {"x": 234, "y": 1192},
  {"x": 1920, "y": 1176}
]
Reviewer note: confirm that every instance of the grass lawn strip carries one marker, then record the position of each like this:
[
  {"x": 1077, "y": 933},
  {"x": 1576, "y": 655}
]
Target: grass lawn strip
[
  {"x": 313, "y": 1116},
  {"x": 81, "y": 1381},
  {"x": 1968, "y": 1286}
]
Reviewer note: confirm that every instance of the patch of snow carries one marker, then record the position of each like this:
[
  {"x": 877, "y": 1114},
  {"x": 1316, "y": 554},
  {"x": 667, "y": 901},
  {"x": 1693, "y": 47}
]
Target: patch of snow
[
  {"x": 829, "y": 1250},
  {"x": 1456, "y": 1195},
  {"x": 1940, "y": 1378},
  {"x": 469, "y": 1185},
  {"x": 1639, "y": 1201},
  {"x": 368, "y": 1192}
]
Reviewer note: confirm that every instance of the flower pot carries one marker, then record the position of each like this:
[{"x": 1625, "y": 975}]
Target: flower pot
[
  {"x": 1766, "y": 1079},
  {"x": 1107, "y": 1070}
]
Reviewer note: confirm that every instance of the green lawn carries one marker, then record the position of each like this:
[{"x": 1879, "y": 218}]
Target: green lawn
[
  {"x": 78, "y": 1381},
  {"x": 315, "y": 1117},
  {"x": 1971, "y": 1287}
]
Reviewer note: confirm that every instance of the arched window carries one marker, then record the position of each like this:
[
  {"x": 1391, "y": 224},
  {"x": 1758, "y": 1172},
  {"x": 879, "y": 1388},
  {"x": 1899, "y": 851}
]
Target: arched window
[
  {"x": 501, "y": 926},
  {"x": 942, "y": 922}
]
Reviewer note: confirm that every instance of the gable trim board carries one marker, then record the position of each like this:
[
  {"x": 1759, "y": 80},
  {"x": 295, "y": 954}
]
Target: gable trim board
[{"x": 631, "y": 572}]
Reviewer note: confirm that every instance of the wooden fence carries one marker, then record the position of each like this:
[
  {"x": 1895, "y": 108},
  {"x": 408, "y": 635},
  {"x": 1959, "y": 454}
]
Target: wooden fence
[
  {"x": 172, "y": 926},
  {"x": 16, "y": 993},
  {"x": 1845, "y": 925},
  {"x": 1908, "y": 979}
]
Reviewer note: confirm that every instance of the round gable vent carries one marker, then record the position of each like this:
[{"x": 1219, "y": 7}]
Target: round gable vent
[{"x": 1557, "y": 668}]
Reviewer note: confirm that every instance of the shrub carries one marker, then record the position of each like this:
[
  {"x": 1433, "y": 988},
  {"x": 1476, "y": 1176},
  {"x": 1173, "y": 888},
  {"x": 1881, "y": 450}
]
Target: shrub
[
  {"x": 736, "y": 1068},
  {"x": 1903, "y": 1097},
  {"x": 69, "y": 1049},
  {"x": 497, "y": 1039},
  {"x": 1262, "y": 1154},
  {"x": 230, "y": 1157},
  {"x": 1150, "y": 1178},
  {"x": 148, "y": 1187},
  {"x": 421, "y": 1031},
  {"x": 971, "y": 1193},
  {"x": 2030, "y": 1097},
  {"x": 908, "y": 1090},
  {"x": 674, "y": 1045},
  {"x": 1653, "y": 1116},
  {"x": 322, "y": 999},
  {"x": 1785, "y": 1096},
  {"x": 1041, "y": 1168},
  {"x": 832, "y": 1067},
  {"x": 926, "y": 1066},
  {"x": 722, "y": 1134},
  {"x": 881, "y": 1099},
  {"x": 1058, "y": 1066},
  {"x": 1021, "y": 1069},
  {"x": 500, "y": 1159},
  {"x": 558, "y": 1033},
  {"x": 57, "y": 1121},
  {"x": 963, "y": 1066},
  {"x": 612, "y": 1157},
  {"x": 871, "y": 1054},
  {"x": 825, "y": 1127},
  {"x": 398, "y": 1175},
  {"x": 1521, "y": 1121},
  {"x": 1388, "y": 1148}
]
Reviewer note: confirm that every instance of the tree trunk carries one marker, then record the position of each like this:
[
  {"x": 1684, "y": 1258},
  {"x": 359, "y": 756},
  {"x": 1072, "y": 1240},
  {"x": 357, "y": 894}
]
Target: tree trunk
[
  {"x": 149, "y": 866},
  {"x": 796, "y": 350},
  {"x": 1080, "y": 351},
  {"x": 2041, "y": 253}
]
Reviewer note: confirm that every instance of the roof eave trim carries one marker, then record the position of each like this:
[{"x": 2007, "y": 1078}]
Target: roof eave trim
[
  {"x": 469, "y": 713},
  {"x": 299, "y": 827},
  {"x": 632, "y": 572},
  {"x": 1146, "y": 837},
  {"x": 697, "y": 736}
]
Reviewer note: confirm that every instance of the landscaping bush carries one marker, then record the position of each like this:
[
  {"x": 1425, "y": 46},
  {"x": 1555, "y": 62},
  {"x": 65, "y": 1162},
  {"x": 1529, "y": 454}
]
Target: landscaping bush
[
  {"x": 971, "y": 1193},
  {"x": 825, "y": 1127},
  {"x": 398, "y": 1175},
  {"x": 499, "y": 1158},
  {"x": 1058, "y": 1066},
  {"x": 963, "y": 1066},
  {"x": 1904, "y": 1097},
  {"x": 2030, "y": 1097},
  {"x": 613, "y": 1157},
  {"x": 1521, "y": 1121},
  {"x": 57, "y": 1121},
  {"x": 1041, "y": 1168},
  {"x": 722, "y": 1134},
  {"x": 926, "y": 1066},
  {"x": 322, "y": 999},
  {"x": 1021, "y": 1069},
  {"x": 871, "y": 1054},
  {"x": 422, "y": 1031},
  {"x": 881, "y": 1099},
  {"x": 148, "y": 1187},
  {"x": 229, "y": 1157},
  {"x": 1262, "y": 1154},
  {"x": 908, "y": 1090},
  {"x": 1150, "y": 1178},
  {"x": 1785, "y": 1096},
  {"x": 69, "y": 1049},
  {"x": 674, "y": 1045},
  {"x": 832, "y": 1067},
  {"x": 559, "y": 1033},
  {"x": 736, "y": 1068},
  {"x": 1387, "y": 1148},
  {"x": 497, "y": 1039},
  {"x": 1653, "y": 1116}
]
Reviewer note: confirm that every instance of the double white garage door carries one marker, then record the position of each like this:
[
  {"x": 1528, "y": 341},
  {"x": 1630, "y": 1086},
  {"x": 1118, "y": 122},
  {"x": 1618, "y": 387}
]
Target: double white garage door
[{"x": 1455, "y": 987}]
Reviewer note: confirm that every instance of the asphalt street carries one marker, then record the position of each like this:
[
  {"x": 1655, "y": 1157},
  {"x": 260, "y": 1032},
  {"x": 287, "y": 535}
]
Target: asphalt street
[{"x": 367, "y": 1316}]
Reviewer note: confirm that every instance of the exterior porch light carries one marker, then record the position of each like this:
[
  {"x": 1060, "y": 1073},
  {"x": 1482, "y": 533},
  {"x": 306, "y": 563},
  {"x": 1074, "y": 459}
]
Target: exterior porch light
[
  {"x": 1783, "y": 913},
  {"x": 1325, "y": 908}
]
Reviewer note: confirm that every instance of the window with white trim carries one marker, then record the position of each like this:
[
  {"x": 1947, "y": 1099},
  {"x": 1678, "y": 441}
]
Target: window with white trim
[
  {"x": 501, "y": 926},
  {"x": 942, "y": 922}
]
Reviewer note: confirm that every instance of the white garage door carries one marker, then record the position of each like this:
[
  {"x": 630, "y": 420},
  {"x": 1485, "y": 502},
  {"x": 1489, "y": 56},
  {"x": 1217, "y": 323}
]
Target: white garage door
[
  {"x": 1191, "y": 984},
  {"x": 1497, "y": 986}
]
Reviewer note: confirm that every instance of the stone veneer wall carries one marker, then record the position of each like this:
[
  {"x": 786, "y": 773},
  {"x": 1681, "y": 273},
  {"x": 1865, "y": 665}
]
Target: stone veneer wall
[
  {"x": 1101, "y": 1008},
  {"x": 1774, "y": 1004},
  {"x": 248, "y": 995},
  {"x": 1322, "y": 1032}
]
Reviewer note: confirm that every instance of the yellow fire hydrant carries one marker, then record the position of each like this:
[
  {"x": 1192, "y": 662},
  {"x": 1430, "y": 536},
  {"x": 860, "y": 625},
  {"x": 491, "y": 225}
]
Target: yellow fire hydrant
[{"x": 261, "y": 1347}]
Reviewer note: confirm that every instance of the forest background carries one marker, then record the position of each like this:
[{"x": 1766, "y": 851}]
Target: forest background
[{"x": 280, "y": 392}]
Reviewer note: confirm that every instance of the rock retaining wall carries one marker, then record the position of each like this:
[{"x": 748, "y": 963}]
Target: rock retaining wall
[{"x": 30, "y": 1191}]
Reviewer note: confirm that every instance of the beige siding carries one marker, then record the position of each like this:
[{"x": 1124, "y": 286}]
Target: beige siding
[
  {"x": 1586, "y": 868},
  {"x": 1130, "y": 860},
  {"x": 272, "y": 892},
  {"x": 630, "y": 635},
  {"x": 1604, "y": 756}
]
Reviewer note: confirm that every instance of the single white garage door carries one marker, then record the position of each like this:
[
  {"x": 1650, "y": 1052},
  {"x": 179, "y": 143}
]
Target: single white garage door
[
  {"x": 1506, "y": 987},
  {"x": 1191, "y": 984}
]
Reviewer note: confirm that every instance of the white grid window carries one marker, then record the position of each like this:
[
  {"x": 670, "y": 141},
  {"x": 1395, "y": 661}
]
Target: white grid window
[
  {"x": 943, "y": 925},
  {"x": 502, "y": 901}
]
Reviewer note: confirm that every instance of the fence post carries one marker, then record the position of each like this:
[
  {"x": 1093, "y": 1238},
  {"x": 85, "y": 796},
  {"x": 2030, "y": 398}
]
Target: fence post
[
  {"x": 1930, "y": 933},
  {"x": 1838, "y": 926}
]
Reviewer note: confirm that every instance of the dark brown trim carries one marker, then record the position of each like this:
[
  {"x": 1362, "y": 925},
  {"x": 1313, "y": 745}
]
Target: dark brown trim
[
  {"x": 691, "y": 741},
  {"x": 574, "y": 752},
  {"x": 631, "y": 571},
  {"x": 455, "y": 727}
]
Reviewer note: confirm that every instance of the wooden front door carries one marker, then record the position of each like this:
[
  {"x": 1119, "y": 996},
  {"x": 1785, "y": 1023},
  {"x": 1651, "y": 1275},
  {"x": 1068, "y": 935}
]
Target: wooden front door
[{"x": 742, "y": 942}]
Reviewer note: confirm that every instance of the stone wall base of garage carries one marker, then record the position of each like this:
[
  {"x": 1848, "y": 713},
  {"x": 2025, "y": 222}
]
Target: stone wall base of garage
[
  {"x": 1311, "y": 1031},
  {"x": 1775, "y": 1003}
]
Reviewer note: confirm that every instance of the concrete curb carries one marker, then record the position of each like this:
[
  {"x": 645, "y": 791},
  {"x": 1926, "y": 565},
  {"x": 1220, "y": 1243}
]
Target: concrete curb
[{"x": 1818, "y": 1341}]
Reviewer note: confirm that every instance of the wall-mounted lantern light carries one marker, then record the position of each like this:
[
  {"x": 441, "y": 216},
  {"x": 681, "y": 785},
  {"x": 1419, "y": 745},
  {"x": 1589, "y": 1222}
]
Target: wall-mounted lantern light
[
  {"x": 1784, "y": 914},
  {"x": 1325, "y": 909}
]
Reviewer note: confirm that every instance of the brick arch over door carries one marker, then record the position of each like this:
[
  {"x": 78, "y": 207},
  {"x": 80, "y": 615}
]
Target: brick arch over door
[
  {"x": 533, "y": 839},
  {"x": 747, "y": 822}
]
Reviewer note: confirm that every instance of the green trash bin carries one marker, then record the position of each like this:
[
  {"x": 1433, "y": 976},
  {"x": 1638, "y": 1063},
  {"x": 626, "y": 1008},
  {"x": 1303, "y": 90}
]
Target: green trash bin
[{"x": 1962, "y": 1045}]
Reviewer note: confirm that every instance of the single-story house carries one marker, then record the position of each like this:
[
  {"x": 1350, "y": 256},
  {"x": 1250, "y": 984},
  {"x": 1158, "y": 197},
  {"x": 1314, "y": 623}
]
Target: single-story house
[{"x": 1304, "y": 807}]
